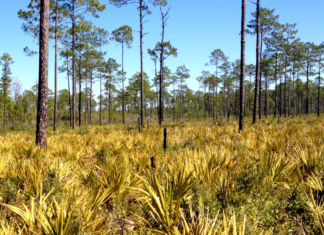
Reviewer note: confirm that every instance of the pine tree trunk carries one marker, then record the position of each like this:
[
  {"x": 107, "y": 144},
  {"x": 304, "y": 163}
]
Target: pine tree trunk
[
  {"x": 86, "y": 100},
  {"x": 224, "y": 99},
  {"x": 280, "y": 99},
  {"x": 91, "y": 81},
  {"x": 73, "y": 70},
  {"x": 257, "y": 76},
  {"x": 80, "y": 91},
  {"x": 319, "y": 88},
  {"x": 55, "y": 71},
  {"x": 260, "y": 80},
  {"x": 109, "y": 99},
  {"x": 288, "y": 87},
  {"x": 307, "y": 89},
  {"x": 123, "y": 91},
  {"x": 141, "y": 53},
  {"x": 297, "y": 91},
  {"x": 242, "y": 83},
  {"x": 276, "y": 79},
  {"x": 285, "y": 90},
  {"x": 43, "y": 75},
  {"x": 266, "y": 98},
  {"x": 100, "y": 100},
  {"x": 68, "y": 75},
  {"x": 216, "y": 110}
]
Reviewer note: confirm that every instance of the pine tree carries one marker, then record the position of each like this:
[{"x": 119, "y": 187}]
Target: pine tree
[
  {"x": 143, "y": 11},
  {"x": 5, "y": 61},
  {"x": 43, "y": 75},
  {"x": 124, "y": 36}
]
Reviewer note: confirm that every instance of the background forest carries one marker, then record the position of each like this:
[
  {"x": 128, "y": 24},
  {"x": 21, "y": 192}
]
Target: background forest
[{"x": 290, "y": 77}]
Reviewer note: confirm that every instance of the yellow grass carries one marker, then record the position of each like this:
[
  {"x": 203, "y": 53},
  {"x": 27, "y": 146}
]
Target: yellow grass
[{"x": 98, "y": 180}]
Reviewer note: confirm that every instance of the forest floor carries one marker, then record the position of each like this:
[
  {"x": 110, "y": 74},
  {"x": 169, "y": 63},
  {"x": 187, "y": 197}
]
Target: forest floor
[{"x": 267, "y": 179}]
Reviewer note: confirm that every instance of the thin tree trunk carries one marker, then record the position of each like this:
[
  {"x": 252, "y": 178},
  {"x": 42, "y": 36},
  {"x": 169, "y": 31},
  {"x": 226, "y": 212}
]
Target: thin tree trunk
[
  {"x": 266, "y": 98},
  {"x": 123, "y": 91},
  {"x": 280, "y": 99},
  {"x": 297, "y": 91},
  {"x": 55, "y": 71},
  {"x": 141, "y": 53},
  {"x": 256, "y": 96},
  {"x": 80, "y": 91},
  {"x": 260, "y": 82},
  {"x": 109, "y": 100},
  {"x": 307, "y": 89},
  {"x": 86, "y": 100},
  {"x": 250, "y": 94},
  {"x": 242, "y": 86},
  {"x": 319, "y": 88},
  {"x": 285, "y": 89},
  {"x": 276, "y": 79},
  {"x": 68, "y": 75},
  {"x": 43, "y": 75},
  {"x": 289, "y": 108},
  {"x": 224, "y": 100},
  {"x": 91, "y": 81},
  {"x": 100, "y": 100},
  {"x": 73, "y": 70}
]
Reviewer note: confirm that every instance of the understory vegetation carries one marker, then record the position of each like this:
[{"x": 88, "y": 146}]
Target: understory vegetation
[{"x": 267, "y": 179}]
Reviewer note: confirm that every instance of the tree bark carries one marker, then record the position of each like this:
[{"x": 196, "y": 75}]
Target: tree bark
[
  {"x": 242, "y": 83},
  {"x": 285, "y": 89},
  {"x": 73, "y": 70},
  {"x": 91, "y": 81},
  {"x": 43, "y": 75},
  {"x": 86, "y": 99},
  {"x": 319, "y": 88},
  {"x": 100, "y": 99},
  {"x": 55, "y": 71},
  {"x": 123, "y": 92},
  {"x": 80, "y": 91},
  {"x": 68, "y": 75},
  {"x": 307, "y": 89},
  {"x": 256, "y": 96},
  {"x": 276, "y": 78},
  {"x": 141, "y": 53},
  {"x": 260, "y": 78}
]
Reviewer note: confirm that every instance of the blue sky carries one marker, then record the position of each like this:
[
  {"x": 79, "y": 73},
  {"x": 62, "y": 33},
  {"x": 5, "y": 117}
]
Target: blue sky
[{"x": 195, "y": 27}]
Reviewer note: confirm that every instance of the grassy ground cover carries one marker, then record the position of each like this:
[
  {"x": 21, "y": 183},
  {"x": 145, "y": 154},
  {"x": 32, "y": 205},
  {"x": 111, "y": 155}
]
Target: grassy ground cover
[{"x": 267, "y": 179}]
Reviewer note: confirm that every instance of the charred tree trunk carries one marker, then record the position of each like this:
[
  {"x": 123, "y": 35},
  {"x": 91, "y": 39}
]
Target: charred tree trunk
[{"x": 162, "y": 99}]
